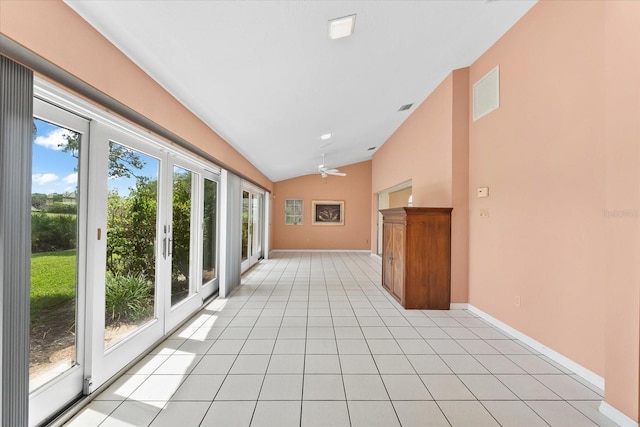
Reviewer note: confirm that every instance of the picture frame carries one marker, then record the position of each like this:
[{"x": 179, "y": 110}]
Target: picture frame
[
  {"x": 293, "y": 211},
  {"x": 327, "y": 212}
]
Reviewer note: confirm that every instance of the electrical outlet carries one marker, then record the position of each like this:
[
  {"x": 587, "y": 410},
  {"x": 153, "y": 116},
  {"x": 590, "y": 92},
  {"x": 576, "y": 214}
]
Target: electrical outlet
[
  {"x": 517, "y": 301},
  {"x": 484, "y": 213}
]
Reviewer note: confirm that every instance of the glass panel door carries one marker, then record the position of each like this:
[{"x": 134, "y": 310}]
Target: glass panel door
[
  {"x": 57, "y": 292},
  {"x": 256, "y": 235},
  {"x": 210, "y": 237},
  {"x": 252, "y": 214},
  {"x": 132, "y": 214},
  {"x": 116, "y": 268},
  {"x": 182, "y": 234},
  {"x": 126, "y": 196},
  {"x": 246, "y": 198},
  {"x": 180, "y": 240}
]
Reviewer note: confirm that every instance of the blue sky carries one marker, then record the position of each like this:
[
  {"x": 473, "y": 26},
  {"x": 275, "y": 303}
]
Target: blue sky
[{"x": 53, "y": 170}]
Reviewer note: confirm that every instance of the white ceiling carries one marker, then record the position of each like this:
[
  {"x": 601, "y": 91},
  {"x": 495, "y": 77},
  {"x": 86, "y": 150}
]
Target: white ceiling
[{"x": 266, "y": 77}]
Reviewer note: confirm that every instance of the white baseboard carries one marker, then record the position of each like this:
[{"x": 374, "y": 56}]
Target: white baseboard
[
  {"x": 618, "y": 417},
  {"x": 364, "y": 251},
  {"x": 459, "y": 306},
  {"x": 585, "y": 373}
]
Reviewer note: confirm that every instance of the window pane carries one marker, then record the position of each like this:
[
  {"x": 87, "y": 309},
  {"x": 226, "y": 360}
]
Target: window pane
[
  {"x": 245, "y": 225},
  {"x": 181, "y": 234},
  {"x": 54, "y": 230},
  {"x": 131, "y": 239},
  {"x": 209, "y": 231}
]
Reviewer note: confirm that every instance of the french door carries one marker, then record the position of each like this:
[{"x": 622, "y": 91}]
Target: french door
[
  {"x": 252, "y": 228},
  {"x": 58, "y": 242},
  {"x": 210, "y": 232},
  {"x": 124, "y": 246},
  {"x": 155, "y": 258}
]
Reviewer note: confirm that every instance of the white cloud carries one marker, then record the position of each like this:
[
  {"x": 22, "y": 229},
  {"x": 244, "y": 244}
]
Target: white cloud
[
  {"x": 44, "y": 178},
  {"x": 54, "y": 139},
  {"x": 71, "y": 178}
]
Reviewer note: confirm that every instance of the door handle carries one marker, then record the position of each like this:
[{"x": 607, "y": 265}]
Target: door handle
[
  {"x": 164, "y": 248},
  {"x": 170, "y": 246}
]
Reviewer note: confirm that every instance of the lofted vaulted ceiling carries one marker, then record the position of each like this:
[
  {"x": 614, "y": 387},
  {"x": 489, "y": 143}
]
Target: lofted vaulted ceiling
[{"x": 267, "y": 78}]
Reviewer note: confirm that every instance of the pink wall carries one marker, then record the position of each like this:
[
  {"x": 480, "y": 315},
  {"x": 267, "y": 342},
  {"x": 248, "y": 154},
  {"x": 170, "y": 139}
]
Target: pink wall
[
  {"x": 541, "y": 155},
  {"x": 420, "y": 151},
  {"x": 622, "y": 157},
  {"x": 561, "y": 149},
  {"x": 427, "y": 149},
  {"x": 354, "y": 189},
  {"x": 55, "y": 32},
  {"x": 559, "y": 154}
]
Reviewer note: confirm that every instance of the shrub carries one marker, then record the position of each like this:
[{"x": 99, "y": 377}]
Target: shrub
[
  {"x": 61, "y": 208},
  {"x": 128, "y": 298},
  {"x": 52, "y": 232}
]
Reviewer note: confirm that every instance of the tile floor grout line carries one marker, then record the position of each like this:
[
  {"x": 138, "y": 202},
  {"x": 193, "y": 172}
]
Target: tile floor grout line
[{"x": 327, "y": 283}]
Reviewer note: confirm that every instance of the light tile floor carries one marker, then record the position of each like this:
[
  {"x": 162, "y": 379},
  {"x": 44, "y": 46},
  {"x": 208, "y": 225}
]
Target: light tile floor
[{"x": 311, "y": 339}]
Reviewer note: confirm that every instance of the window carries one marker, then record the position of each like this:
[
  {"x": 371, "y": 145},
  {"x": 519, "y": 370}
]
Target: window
[{"x": 293, "y": 212}]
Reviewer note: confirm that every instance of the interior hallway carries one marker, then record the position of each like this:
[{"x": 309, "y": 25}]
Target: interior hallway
[{"x": 311, "y": 339}]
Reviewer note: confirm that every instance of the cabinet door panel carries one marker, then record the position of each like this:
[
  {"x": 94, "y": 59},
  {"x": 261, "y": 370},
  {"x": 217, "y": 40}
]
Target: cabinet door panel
[
  {"x": 387, "y": 256},
  {"x": 398, "y": 260}
]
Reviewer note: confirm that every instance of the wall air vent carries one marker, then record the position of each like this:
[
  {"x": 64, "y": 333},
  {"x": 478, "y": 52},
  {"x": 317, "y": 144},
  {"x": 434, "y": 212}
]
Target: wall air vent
[
  {"x": 405, "y": 107},
  {"x": 486, "y": 94}
]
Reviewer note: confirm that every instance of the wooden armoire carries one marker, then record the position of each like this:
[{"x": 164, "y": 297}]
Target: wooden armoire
[{"x": 416, "y": 256}]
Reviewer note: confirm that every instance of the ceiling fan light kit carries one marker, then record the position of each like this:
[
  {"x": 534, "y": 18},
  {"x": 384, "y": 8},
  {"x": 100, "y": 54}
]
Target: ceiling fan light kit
[{"x": 325, "y": 172}]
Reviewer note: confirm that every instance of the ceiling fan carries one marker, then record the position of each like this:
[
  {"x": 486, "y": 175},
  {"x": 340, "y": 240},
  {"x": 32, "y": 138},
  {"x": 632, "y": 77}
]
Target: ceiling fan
[{"x": 325, "y": 172}]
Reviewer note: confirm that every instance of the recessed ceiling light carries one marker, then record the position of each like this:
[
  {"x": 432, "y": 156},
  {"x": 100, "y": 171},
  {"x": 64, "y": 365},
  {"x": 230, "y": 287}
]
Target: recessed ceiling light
[
  {"x": 325, "y": 136},
  {"x": 405, "y": 107},
  {"x": 341, "y": 27}
]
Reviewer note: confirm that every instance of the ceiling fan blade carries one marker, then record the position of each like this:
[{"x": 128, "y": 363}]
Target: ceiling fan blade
[
  {"x": 331, "y": 170},
  {"x": 336, "y": 173}
]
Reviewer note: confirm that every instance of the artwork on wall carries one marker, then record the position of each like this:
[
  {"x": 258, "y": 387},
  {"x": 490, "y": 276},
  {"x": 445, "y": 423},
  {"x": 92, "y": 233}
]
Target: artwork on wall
[
  {"x": 293, "y": 209},
  {"x": 327, "y": 212}
]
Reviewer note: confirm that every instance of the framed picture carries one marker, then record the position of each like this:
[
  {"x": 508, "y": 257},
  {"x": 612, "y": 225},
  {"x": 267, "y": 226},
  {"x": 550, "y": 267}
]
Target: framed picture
[
  {"x": 327, "y": 212},
  {"x": 293, "y": 210}
]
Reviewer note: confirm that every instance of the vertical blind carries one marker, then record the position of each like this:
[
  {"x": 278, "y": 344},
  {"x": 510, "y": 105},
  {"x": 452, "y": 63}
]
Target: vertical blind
[{"x": 16, "y": 130}]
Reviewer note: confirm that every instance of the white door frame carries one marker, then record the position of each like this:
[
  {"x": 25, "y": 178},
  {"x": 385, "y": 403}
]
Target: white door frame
[
  {"x": 106, "y": 363},
  {"x": 98, "y": 366},
  {"x": 62, "y": 389},
  {"x": 259, "y": 195}
]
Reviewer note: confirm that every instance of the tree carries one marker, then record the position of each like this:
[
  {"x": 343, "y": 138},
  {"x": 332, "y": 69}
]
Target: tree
[
  {"x": 39, "y": 200},
  {"x": 123, "y": 161}
]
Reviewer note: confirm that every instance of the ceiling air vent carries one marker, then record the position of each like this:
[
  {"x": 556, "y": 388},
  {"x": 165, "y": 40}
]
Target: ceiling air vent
[
  {"x": 405, "y": 107},
  {"x": 486, "y": 94},
  {"x": 371, "y": 148}
]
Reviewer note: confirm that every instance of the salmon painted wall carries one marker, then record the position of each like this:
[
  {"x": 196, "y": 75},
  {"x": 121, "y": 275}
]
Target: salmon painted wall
[
  {"x": 559, "y": 154},
  {"x": 354, "y": 189},
  {"x": 419, "y": 151},
  {"x": 622, "y": 138},
  {"x": 426, "y": 149},
  {"x": 541, "y": 155},
  {"x": 56, "y": 33}
]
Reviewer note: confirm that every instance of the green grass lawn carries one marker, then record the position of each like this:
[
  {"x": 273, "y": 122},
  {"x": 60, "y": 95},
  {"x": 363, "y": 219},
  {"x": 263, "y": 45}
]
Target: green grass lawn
[{"x": 53, "y": 279}]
